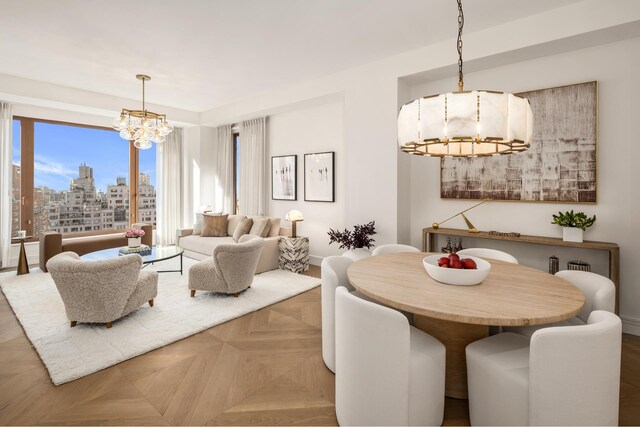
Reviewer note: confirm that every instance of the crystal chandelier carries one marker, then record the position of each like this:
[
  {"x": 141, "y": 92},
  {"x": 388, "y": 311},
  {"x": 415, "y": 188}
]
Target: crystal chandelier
[
  {"x": 141, "y": 126},
  {"x": 465, "y": 123}
]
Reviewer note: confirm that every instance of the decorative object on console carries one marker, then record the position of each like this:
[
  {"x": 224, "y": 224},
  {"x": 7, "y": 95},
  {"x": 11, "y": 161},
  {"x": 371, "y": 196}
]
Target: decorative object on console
[
  {"x": 560, "y": 166},
  {"x": 134, "y": 237},
  {"x": 142, "y": 126},
  {"x": 472, "y": 229},
  {"x": 293, "y": 254},
  {"x": 284, "y": 177},
  {"x": 319, "y": 177},
  {"x": 504, "y": 234},
  {"x": 293, "y": 216},
  {"x": 465, "y": 123},
  {"x": 355, "y": 241},
  {"x": 579, "y": 266},
  {"x": 573, "y": 224},
  {"x": 554, "y": 264}
]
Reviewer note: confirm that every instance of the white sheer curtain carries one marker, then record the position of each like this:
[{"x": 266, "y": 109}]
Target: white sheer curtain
[
  {"x": 253, "y": 179},
  {"x": 169, "y": 206},
  {"x": 6, "y": 177},
  {"x": 223, "y": 170}
]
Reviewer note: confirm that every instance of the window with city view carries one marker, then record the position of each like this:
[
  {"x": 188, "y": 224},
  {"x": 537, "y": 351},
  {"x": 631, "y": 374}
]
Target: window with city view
[{"x": 75, "y": 179}]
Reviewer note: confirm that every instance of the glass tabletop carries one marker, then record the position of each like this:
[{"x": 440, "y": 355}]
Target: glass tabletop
[{"x": 158, "y": 253}]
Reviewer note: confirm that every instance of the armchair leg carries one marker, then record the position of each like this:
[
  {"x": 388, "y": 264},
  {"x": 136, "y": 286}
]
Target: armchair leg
[
  {"x": 73, "y": 323},
  {"x": 193, "y": 293},
  {"x": 109, "y": 325},
  {"x": 151, "y": 303},
  {"x": 236, "y": 294}
]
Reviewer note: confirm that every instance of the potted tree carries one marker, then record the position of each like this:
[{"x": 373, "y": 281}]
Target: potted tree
[
  {"x": 573, "y": 225},
  {"x": 356, "y": 241}
]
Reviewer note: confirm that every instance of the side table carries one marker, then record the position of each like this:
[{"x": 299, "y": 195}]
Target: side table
[
  {"x": 293, "y": 254},
  {"x": 23, "y": 265}
]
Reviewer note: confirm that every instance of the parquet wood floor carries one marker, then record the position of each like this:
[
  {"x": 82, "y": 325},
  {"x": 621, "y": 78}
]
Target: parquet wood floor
[{"x": 262, "y": 368}]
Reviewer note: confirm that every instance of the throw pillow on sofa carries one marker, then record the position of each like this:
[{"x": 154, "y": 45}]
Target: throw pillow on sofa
[
  {"x": 243, "y": 228},
  {"x": 214, "y": 225},
  {"x": 232, "y": 223},
  {"x": 261, "y": 226},
  {"x": 197, "y": 226}
]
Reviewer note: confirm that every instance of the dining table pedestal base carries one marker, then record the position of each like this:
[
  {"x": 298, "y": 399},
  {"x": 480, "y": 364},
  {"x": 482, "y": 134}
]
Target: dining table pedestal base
[{"x": 455, "y": 337}]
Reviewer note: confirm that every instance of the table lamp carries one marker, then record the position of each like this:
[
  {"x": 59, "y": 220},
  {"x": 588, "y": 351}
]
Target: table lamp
[{"x": 293, "y": 216}]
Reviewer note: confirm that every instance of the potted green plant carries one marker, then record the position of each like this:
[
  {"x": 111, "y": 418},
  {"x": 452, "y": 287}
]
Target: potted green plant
[
  {"x": 573, "y": 224},
  {"x": 355, "y": 241}
]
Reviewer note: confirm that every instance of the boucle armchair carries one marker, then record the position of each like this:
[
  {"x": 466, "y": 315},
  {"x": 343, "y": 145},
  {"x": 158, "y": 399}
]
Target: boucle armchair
[
  {"x": 231, "y": 268},
  {"x": 101, "y": 291}
]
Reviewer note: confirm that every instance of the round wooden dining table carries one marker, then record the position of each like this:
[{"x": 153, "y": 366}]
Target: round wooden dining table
[{"x": 511, "y": 295}]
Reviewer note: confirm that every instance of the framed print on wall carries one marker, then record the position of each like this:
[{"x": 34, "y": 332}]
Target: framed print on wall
[
  {"x": 319, "y": 177},
  {"x": 284, "y": 172},
  {"x": 559, "y": 167}
]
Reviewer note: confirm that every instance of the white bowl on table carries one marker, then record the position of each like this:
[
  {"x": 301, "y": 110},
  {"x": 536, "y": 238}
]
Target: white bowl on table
[{"x": 454, "y": 276}]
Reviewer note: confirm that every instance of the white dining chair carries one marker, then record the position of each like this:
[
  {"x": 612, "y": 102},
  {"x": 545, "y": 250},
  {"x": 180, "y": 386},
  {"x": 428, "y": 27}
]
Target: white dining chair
[
  {"x": 387, "y": 372},
  {"x": 599, "y": 294},
  {"x": 333, "y": 273},
  {"x": 393, "y": 248},
  {"x": 489, "y": 253},
  {"x": 568, "y": 375}
]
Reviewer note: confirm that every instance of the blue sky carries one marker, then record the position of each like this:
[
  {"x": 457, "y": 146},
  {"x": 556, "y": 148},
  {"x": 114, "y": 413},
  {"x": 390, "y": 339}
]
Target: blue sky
[{"x": 60, "y": 149}]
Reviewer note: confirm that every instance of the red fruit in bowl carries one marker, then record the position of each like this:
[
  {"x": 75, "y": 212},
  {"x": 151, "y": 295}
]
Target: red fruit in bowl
[
  {"x": 453, "y": 256},
  {"x": 469, "y": 264},
  {"x": 443, "y": 262},
  {"x": 455, "y": 263}
]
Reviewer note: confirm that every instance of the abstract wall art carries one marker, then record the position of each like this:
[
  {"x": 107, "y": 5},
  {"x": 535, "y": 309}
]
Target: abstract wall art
[
  {"x": 284, "y": 177},
  {"x": 319, "y": 174},
  {"x": 560, "y": 165}
]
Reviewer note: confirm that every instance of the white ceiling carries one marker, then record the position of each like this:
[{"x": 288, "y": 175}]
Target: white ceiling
[{"x": 206, "y": 53}]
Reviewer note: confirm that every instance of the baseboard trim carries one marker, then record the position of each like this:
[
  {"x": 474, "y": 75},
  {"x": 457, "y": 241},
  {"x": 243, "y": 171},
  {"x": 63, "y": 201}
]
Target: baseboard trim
[
  {"x": 315, "y": 260},
  {"x": 630, "y": 325}
]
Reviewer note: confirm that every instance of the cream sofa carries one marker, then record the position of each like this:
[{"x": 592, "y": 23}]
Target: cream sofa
[{"x": 198, "y": 247}]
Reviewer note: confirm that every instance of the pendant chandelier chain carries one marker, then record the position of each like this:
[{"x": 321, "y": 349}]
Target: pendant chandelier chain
[
  {"x": 460, "y": 25},
  {"x": 143, "y": 109}
]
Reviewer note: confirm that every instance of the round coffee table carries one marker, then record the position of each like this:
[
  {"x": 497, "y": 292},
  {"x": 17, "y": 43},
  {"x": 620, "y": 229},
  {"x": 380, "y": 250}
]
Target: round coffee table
[{"x": 158, "y": 253}]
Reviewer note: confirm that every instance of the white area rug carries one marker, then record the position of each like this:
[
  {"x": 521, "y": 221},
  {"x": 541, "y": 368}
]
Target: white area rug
[{"x": 71, "y": 353}]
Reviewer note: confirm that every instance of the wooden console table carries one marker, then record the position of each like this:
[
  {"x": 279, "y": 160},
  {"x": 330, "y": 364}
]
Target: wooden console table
[{"x": 429, "y": 240}]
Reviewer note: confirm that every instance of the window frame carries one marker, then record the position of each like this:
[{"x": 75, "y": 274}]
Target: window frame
[{"x": 27, "y": 158}]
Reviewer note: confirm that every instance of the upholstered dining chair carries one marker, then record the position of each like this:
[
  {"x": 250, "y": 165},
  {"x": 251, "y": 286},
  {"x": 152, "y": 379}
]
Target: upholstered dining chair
[
  {"x": 333, "y": 273},
  {"x": 101, "y": 291},
  {"x": 599, "y": 294},
  {"x": 489, "y": 253},
  {"x": 393, "y": 249},
  {"x": 231, "y": 268},
  {"x": 568, "y": 375},
  {"x": 387, "y": 372}
]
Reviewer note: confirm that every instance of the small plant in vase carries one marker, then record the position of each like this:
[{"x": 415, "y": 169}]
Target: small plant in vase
[
  {"x": 357, "y": 241},
  {"x": 573, "y": 224},
  {"x": 134, "y": 237}
]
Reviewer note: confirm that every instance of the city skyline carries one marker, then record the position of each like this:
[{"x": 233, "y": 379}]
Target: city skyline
[{"x": 60, "y": 149}]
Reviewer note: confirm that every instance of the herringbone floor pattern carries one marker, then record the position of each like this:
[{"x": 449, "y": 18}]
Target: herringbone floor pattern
[{"x": 262, "y": 368}]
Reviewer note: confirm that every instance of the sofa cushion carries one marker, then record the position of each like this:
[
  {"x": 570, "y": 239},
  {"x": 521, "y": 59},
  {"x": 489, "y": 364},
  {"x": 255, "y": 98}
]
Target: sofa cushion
[
  {"x": 243, "y": 228},
  {"x": 203, "y": 245},
  {"x": 197, "y": 226},
  {"x": 275, "y": 227},
  {"x": 261, "y": 226},
  {"x": 232, "y": 222},
  {"x": 214, "y": 225}
]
